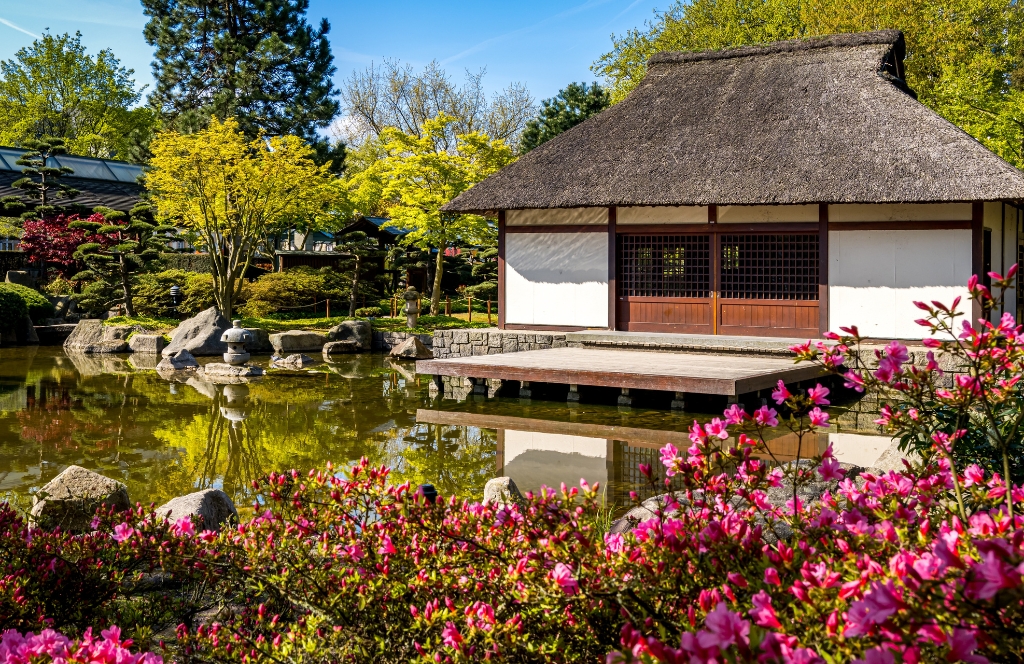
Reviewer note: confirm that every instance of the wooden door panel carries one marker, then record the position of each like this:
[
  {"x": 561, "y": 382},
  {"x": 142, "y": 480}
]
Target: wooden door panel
[
  {"x": 665, "y": 314},
  {"x": 769, "y": 318}
]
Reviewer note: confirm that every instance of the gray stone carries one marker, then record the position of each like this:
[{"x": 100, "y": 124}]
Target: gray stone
[
  {"x": 20, "y": 277},
  {"x": 180, "y": 361},
  {"x": 147, "y": 343},
  {"x": 494, "y": 340},
  {"x": 70, "y": 500},
  {"x": 892, "y": 458},
  {"x": 476, "y": 336},
  {"x": 200, "y": 335},
  {"x": 461, "y": 336},
  {"x": 62, "y": 306},
  {"x": 346, "y": 347},
  {"x": 209, "y": 509},
  {"x": 412, "y": 349},
  {"x": 295, "y": 361},
  {"x": 358, "y": 331},
  {"x": 509, "y": 343},
  {"x": 92, "y": 336},
  {"x": 297, "y": 341},
  {"x": 230, "y": 370},
  {"x": 260, "y": 343},
  {"x": 502, "y": 491}
]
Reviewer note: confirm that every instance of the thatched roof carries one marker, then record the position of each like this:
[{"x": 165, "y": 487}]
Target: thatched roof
[{"x": 824, "y": 120}]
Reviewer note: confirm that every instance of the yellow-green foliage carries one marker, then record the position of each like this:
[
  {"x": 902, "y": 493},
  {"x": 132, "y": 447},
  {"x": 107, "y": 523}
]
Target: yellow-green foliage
[
  {"x": 153, "y": 293},
  {"x": 292, "y": 290}
]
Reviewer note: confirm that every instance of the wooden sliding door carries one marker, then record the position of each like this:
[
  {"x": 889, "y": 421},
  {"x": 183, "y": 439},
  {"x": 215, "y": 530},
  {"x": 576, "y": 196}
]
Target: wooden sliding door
[{"x": 717, "y": 281}]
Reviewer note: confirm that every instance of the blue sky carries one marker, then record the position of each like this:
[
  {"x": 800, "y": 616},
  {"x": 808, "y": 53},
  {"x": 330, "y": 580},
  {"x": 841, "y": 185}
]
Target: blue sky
[{"x": 542, "y": 43}]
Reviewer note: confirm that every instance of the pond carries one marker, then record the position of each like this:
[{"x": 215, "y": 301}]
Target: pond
[{"x": 164, "y": 439}]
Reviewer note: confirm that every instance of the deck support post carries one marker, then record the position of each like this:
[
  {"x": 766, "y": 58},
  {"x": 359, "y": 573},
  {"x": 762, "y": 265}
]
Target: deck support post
[
  {"x": 679, "y": 402},
  {"x": 524, "y": 390},
  {"x": 436, "y": 386},
  {"x": 479, "y": 385},
  {"x": 734, "y": 399},
  {"x": 574, "y": 393},
  {"x": 624, "y": 398},
  {"x": 493, "y": 386}
]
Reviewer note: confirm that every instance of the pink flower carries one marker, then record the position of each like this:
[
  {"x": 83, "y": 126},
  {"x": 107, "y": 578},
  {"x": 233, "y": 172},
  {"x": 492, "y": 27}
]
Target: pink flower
[
  {"x": 450, "y": 636},
  {"x": 766, "y": 417},
  {"x": 563, "y": 576},
  {"x": 897, "y": 354},
  {"x": 763, "y": 613},
  {"x": 990, "y": 576},
  {"x": 876, "y": 656},
  {"x": 962, "y": 645},
  {"x": 122, "y": 532},
  {"x": 716, "y": 428},
  {"x": 781, "y": 393},
  {"x": 878, "y": 604},
  {"x": 386, "y": 546},
  {"x": 817, "y": 394},
  {"x": 734, "y": 414},
  {"x": 974, "y": 475},
  {"x": 724, "y": 628},
  {"x": 771, "y": 576},
  {"x": 183, "y": 527},
  {"x": 853, "y": 381},
  {"x": 818, "y": 417},
  {"x": 830, "y": 470},
  {"x": 614, "y": 542}
]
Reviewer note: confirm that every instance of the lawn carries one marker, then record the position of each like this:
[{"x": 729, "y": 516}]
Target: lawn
[{"x": 279, "y": 323}]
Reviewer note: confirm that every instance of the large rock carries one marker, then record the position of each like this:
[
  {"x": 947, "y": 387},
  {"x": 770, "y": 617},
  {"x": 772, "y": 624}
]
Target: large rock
[
  {"x": 231, "y": 371},
  {"x": 92, "y": 336},
  {"x": 63, "y": 305},
  {"x": 346, "y": 347},
  {"x": 71, "y": 499},
  {"x": 147, "y": 343},
  {"x": 20, "y": 277},
  {"x": 209, "y": 509},
  {"x": 358, "y": 331},
  {"x": 260, "y": 344},
  {"x": 502, "y": 491},
  {"x": 892, "y": 458},
  {"x": 294, "y": 361},
  {"x": 180, "y": 361},
  {"x": 297, "y": 341},
  {"x": 412, "y": 349},
  {"x": 199, "y": 335}
]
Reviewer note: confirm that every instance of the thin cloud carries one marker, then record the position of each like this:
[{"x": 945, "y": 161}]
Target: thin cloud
[
  {"x": 624, "y": 12},
  {"x": 18, "y": 28},
  {"x": 487, "y": 42}
]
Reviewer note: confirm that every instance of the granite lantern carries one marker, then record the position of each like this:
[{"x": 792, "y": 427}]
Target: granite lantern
[{"x": 236, "y": 338}]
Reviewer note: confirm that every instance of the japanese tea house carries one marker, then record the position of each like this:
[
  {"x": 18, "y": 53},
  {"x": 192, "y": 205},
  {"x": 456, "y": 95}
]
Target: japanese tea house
[{"x": 779, "y": 190}]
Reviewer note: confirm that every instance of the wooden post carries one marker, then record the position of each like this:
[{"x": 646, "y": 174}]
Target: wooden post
[
  {"x": 501, "y": 270},
  {"x": 977, "y": 251},
  {"x": 470, "y": 308},
  {"x": 823, "y": 317},
  {"x": 488, "y": 312},
  {"x": 328, "y": 309},
  {"x": 613, "y": 266},
  {"x": 716, "y": 268},
  {"x": 447, "y": 306}
]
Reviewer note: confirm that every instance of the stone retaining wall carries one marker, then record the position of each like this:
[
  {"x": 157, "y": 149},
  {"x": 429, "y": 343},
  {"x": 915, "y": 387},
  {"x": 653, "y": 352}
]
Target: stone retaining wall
[
  {"x": 385, "y": 341},
  {"x": 492, "y": 341}
]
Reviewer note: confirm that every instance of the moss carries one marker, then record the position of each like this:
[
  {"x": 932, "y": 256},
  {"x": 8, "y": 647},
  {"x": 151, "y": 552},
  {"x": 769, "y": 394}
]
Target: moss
[{"x": 150, "y": 323}]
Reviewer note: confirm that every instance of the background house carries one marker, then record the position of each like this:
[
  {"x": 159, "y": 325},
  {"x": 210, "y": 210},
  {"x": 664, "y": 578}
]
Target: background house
[{"x": 780, "y": 190}]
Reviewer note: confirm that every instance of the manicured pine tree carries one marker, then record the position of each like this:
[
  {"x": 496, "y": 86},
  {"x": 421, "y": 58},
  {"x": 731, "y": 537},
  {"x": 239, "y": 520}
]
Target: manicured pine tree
[
  {"x": 41, "y": 182},
  {"x": 259, "y": 62},
  {"x": 361, "y": 247},
  {"x": 115, "y": 253}
]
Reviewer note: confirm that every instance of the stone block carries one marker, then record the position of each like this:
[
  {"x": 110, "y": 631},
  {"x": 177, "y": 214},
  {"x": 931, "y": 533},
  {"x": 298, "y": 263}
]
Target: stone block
[
  {"x": 70, "y": 500},
  {"x": 494, "y": 340},
  {"x": 502, "y": 491},
  {"x": 544, "y": 339},
  {"x": 222, "y": 369},
  {"x": 293, "y": 361},
  {"x": 509, "y": 343},
  {"x": 297, "y": 341},
  {"x": 412, "y": 349},
  {"x": 461, "y": 336},
  {"x": 476, "y": 337},
  {"x": 479, "y": 350},
  {"x": 260, "y": 344},
  {"x": 358, "y": 331},
  {"x": 147, "y": 343},
  {"x": 346, "y": 347},
  {"x": 209, "y": 509},
  {"x": 180, "y": 361}
]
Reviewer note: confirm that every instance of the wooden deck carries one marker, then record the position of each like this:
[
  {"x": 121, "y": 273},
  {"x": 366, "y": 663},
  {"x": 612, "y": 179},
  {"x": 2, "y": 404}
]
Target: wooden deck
[{"x": 695, "y": 373}]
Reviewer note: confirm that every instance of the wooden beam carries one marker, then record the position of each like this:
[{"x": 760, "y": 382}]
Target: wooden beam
[
  {"x": 823, "y": 228},
  {"x": 558, "y": 228},
  {"x": 501, "y": 270},
  {"x": 612, "y": 270},
  {"x": 945, "y": 225},
  {"x": 716, "y": 268},
  {"x": 977, "y": 251}
]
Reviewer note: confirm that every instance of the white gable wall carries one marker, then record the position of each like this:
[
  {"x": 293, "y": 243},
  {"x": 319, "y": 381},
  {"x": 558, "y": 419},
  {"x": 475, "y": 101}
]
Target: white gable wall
[
  {"x": 556, "y": 279},
  {"x": 876, "y": 276}
]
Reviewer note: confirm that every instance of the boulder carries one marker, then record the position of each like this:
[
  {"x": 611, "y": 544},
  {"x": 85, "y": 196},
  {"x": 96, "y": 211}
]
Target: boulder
[
  {"x": 502, "y": 491},
  {"x": 358, "y": 331},
  {"x": 92, "y": 336},
  {"x": 230, "y": 370},
  {"x": 62, "y": 306},
  {"x": 297, "y": 341},
  {"x": 71, "y": 499},
  {"x": 180, "y": 361},
  {"x": 20, "y": 277},
  {"x": 892, "y": 459},
  {"x": 412, "y": 349},
  {"x": 260, "y": 344},
  {"x": 199, "y": 335},
  {"x": 346, "y": 347},
  {"x": 54, "y": 335},
  {"x": 209, "y": 509},
  {"x": 147, "y": 343},
  {"x": 295, "y": 361}
]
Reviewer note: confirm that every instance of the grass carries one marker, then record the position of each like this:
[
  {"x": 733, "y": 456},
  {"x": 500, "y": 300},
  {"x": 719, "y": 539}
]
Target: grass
[{"x": 277, "y": 323}]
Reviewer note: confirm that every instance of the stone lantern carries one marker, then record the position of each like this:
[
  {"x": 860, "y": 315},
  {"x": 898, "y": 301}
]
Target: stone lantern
[
  {"x": 412, "y": 306},
  {"x": 236, "y": 338},
  {"x": 235, "y": 404}
]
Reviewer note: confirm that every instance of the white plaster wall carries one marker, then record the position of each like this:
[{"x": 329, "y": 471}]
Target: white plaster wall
[
  {"x": 535, "y": 459},
  {"x": 661, "y": 215},
  {"x": 556, "y": 279},
  {"x": 875, "y": 277},
  {"x": 555, "y": 216},
  {"x": 858, "y": 449},
  {"x": 735, "y": 214},
  {"x": 519, "y": 442},
  {"x": 1007, "y": 246},
  {"x": 900, "y": 212}
]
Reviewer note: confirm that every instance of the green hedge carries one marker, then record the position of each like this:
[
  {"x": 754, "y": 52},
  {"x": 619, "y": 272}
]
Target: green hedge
[
  {"x": 36, "y": 305},
  {"x": 12, "y": 307},
  {"x": 187, "y": 262}
]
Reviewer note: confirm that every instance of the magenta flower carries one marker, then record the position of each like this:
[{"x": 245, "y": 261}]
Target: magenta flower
[
  {"x": 563, "y": 576},
  {"x": 450, "y": 636},
  {"x": 386, "y": 546},
  {"x": 122, "y": 532},
  {"x": 734, "y": 414},
  {"x": 817, "y": 394},
  {"x": 763, "y": 613},
  {"x": 766, "y": 417},
  {"x": 183, "y": 527},
  {"x": 878, "y": 604},
  {"x": 974, "y": 475},
  {"x": 962, "y": 645},
  {"x": 614, "y": 542},
  {"x": 830, "y": 470},
  {"x": 818, "y": 418},
  {"x": 724, "y": 628},
  {"x": 780, "y": 394},
  {"x": 771, "y": 575}
]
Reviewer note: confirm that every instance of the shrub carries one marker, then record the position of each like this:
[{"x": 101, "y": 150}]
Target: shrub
[
  {"x": 12, "y": 307},
  {"x": 291, "y": 290},
  {"x": 36, "y": 305},
  {"x": 59, "y": 286},
  {"x": 50, "y": 646},
  {"x": 369, "y": 312},
  {"x": 153, "y": 293}
]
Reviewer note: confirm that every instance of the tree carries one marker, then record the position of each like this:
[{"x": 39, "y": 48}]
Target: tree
[
  {"x": 395, "y": 95},
  {"x": 114, "y": 253},
  {"x": 231, "y": 193},
  {"x": 361, "y": 247},
  {"x": 963, "y": 57},
  {"x": 49, "y": 241},
  {"x": 260, "y": 63},
  {"x": 48, "y": 188},
  {"x": 571, "y": 106},
  {"x": 416, "y": 176},
  {"x": 55, "y": 88},
  {"x": 485, "y": 270}
]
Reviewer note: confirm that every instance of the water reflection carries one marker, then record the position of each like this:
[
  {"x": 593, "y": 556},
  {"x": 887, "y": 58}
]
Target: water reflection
[{"x": 166, "y": 437}]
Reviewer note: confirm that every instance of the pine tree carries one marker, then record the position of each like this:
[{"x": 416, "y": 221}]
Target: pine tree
[
  {"x": 47, "y": 189},
  {"x": 362, "y": 249},
  {"x": 116, "y": 250},
  {"x": 260, "y": 63},
  {"x": 571, "y": 106}
]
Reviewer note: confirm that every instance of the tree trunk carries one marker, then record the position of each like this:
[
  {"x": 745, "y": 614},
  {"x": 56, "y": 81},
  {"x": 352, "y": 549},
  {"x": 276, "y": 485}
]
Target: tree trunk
[
  {"x": 126, "y": 286},
  {"x": 435, "y": 297},
  {"x": 355, "y": 287}
]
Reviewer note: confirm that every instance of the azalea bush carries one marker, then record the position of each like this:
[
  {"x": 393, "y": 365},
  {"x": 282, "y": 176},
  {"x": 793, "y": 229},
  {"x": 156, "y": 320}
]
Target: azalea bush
[{"x": 50, "y": 646}]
